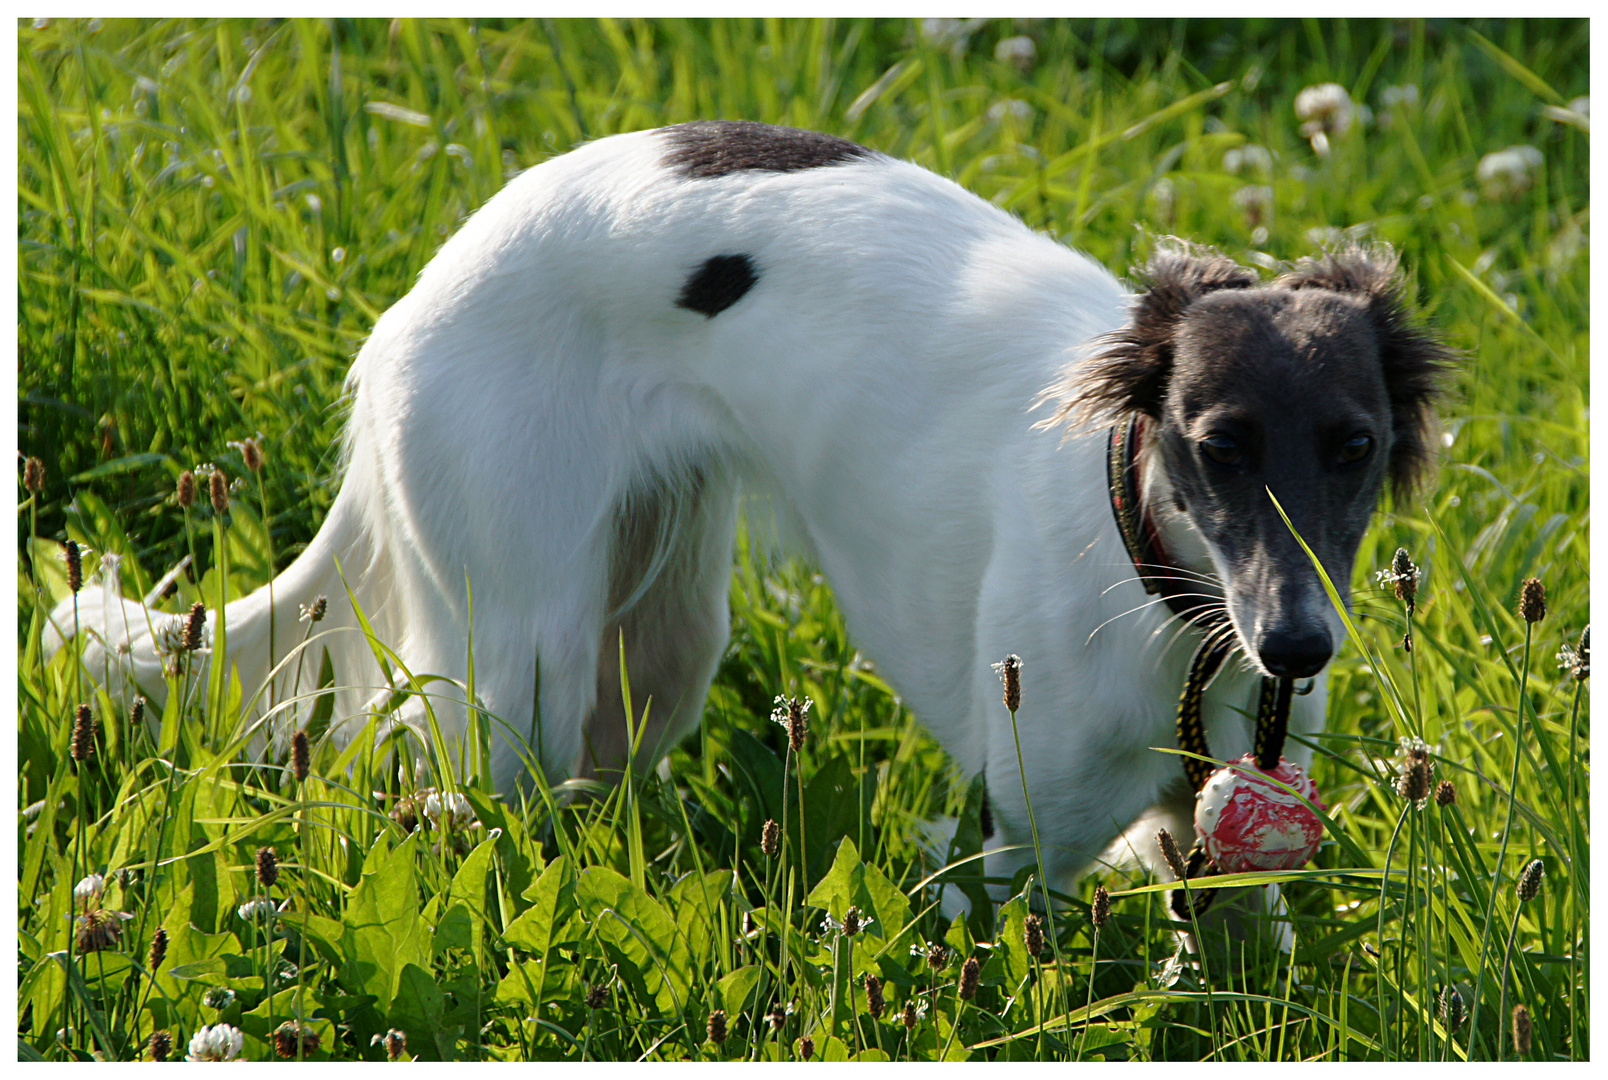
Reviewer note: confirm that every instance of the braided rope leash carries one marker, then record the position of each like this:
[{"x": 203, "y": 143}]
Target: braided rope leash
[
  {"x": 1272, "y": 724},
  {"x": 1148, "y": 555}
]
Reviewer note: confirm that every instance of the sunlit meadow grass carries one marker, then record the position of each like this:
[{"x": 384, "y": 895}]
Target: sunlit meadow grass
[{"x": 211, "y": 215}]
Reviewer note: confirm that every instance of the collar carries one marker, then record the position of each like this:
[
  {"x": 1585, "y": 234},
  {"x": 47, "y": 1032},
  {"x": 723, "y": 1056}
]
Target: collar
[{"x": 1155, "y": 569}]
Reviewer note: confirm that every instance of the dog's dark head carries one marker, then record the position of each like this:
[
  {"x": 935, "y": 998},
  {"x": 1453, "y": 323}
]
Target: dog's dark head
[{"x": 1316, "y": 386}]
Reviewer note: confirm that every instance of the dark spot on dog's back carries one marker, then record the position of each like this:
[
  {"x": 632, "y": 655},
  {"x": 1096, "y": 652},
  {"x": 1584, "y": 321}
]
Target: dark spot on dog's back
[
  {"x": 718, "y": 284},
  {"x": 709, "y": 148}
]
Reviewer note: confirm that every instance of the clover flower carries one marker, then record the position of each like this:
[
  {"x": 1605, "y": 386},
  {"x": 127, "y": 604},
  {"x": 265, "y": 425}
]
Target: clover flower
[
  {"x": 1018, "y": 50},
  {"x": 220, "y": 1042},
  {"x": 395, "y": 1043},
  {"x": 449, "y": 810},
  {"x": 293, "y": 1035},
  {"x": 98, "y": 929},
  {"x": 256, "y": 909},
  {"x": 89, "y": 891},
  {"x": 1504, "y": 175},
  {"x": 218, "y": 998},
  {"x": 1255, "y": 201},
  {"x": 1251, "y": 158},
  {"x": 1324, "y": 110}
]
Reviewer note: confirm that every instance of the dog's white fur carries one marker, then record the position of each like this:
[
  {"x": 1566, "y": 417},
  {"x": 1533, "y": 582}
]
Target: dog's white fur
[{"x": 538, "y": 418}]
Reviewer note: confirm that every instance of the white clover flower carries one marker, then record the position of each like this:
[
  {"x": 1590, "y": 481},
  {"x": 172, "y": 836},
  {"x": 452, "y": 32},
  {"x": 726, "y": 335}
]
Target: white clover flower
[
  {"x": 449, "y": 810},
  {"x": 1255, "y": 201},
  {"x": 1018, "y": 50},
  {"x": 1400, "y": 104},
  {"x": 256, "y": 909},
  {"x": 1507, "y": 174},
  {"x": 1396, "y": 97},
  {"x": 170, "y": 635},
  {"x": 1251, "y": 158},
  {"x": 1324, "y": 109},
  {"x": 1015, "y": 108},
  {"x": 219, "y": 998},
  {"x": 221, "y": 1042},
  {"x": 89, "y": 891},
  {"x": 948, "y": 32},
  {"x": 1164, "y": 193}
]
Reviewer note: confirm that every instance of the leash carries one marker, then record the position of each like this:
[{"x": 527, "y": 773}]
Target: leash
[{"x": 1161, "y": 576}]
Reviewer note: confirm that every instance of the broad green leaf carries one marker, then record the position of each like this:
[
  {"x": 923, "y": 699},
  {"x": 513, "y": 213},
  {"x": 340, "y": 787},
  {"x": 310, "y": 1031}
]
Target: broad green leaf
[
  {"x": 417, "y": 1008},
  {"x": 1009, "y": 963},
  {"x": 696, "y": 900},
  {"x": 851, "y": 883},
  {"x": 383, "y": 930},
  {"x": 552, "y": 900},
  {"x": 457, "y": 929},
  {"x": 469, "y": 890},
  {"x": 638, "y": 926},
  {"x": 736, "y": 989}
]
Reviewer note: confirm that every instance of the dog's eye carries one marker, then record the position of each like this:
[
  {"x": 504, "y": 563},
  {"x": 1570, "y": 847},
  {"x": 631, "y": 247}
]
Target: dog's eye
[
  {"x": 1356, "y": 449},
  {"x": 1221, "y": 448}
]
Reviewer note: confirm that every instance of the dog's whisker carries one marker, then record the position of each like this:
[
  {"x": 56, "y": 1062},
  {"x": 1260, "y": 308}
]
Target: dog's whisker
[
  {"x": 1214, "y": 604},
  {"x": 1181, "y": 625},
  {"x": 1179, "y": 573},
  {"x": 1133, "y": 610},
  {"x": 1164, "y": 577}
]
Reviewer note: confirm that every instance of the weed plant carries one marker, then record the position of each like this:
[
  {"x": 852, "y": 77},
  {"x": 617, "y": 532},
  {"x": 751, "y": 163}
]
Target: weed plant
[{"x": 213, "y": 213}]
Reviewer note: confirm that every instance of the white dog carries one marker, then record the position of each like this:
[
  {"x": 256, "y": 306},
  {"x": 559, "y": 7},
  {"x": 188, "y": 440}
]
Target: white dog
[{"x": 559, "y": 417}]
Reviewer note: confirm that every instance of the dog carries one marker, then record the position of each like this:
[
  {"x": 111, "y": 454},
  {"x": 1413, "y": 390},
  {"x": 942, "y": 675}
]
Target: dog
[{"x": 552, "y": 431}]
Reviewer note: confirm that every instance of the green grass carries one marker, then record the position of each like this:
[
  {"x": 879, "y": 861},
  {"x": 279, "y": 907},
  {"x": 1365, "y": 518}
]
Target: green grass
[{"x": 212, "y": 214}]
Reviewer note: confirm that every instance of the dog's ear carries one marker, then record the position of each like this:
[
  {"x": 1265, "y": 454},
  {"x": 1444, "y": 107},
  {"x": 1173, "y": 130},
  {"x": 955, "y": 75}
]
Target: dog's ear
[
  {"x": 1416, "y": 364},
  {"x": 1128, "y": 374}
]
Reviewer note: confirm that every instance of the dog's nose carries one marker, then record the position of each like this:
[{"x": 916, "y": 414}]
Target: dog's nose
[{"x": 1295, "y": 655}]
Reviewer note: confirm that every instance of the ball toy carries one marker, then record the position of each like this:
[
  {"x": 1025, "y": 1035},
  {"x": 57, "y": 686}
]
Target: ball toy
[{"x": 1247, "y": 823}]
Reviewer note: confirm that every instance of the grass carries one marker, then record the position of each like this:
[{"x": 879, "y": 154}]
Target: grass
[{"x": 211, "y": 214}]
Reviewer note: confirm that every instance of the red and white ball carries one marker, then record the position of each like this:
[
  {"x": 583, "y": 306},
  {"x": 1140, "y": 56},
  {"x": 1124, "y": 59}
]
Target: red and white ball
[{"x": 1249, "y": 824}]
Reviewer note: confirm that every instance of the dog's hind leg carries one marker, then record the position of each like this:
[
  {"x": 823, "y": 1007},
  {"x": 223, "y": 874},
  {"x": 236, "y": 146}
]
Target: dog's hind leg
[{"x": 668, "y": 604}]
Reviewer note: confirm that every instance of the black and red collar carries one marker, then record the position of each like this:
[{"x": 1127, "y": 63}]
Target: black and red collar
[{"x": 1157, "y": 571}]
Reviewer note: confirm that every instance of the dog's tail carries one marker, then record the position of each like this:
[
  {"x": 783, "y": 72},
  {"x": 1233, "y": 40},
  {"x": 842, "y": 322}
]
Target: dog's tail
[{"x": 270, "y": 640}]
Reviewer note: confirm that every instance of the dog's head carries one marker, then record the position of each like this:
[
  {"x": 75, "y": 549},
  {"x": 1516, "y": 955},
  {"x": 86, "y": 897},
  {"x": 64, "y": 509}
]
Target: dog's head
[{"x": 1316, "y": 386}]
